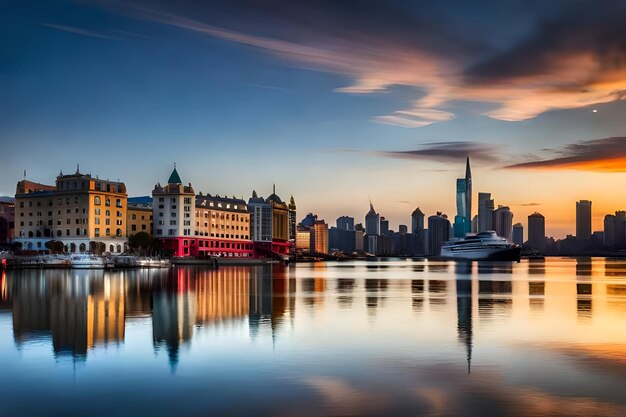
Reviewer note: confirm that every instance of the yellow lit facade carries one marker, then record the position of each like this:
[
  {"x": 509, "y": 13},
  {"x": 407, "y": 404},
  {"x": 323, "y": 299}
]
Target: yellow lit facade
[{"x": 139, "y": 219}]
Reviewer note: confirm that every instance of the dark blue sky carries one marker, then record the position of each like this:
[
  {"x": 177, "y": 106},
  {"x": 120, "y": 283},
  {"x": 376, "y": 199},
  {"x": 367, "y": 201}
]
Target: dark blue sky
[{"x": 335, "y": 101}]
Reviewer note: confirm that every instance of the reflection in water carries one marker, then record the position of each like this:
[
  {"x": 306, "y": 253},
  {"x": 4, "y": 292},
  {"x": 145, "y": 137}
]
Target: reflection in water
[
  {"x": 464, "y": 316},
  {"x": 334, "y": 358}
]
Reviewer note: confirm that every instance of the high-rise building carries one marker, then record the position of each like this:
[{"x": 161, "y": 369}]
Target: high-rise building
[
  {"x": 536, "y": 231},
  {"x": 345, "y": 223},
  {"x": 583, "y": 219},
  {"x": 320, "y": 231},
  {"x": 518, "y": 234},
  {"x": 463, "y": 218},
  {"x": 384, "y": 226},
  {"x": 82, "y": 212},
  {"x": 372, "y": 222},
  {"x": 486, "y": 207},
  {"x": 503, "y": 219},
  {"x": 260, "y": 219},
  {"x": 304, "y": 238},
  {"x": 438, "y": 232},
  {"x": 615, "y": 230},
  {"x": 403, "y": 229},
  {"x": 417, "y": 221},
  {"x": 292, "y": 219}
]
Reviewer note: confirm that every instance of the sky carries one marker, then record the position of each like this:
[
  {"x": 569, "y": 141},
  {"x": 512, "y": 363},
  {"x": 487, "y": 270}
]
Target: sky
[{"x": 336, "y": 102}]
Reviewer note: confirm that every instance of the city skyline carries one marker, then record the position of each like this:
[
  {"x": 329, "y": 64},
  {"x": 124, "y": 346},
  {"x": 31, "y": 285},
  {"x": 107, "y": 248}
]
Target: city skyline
[{"x": 383, "y": 103}]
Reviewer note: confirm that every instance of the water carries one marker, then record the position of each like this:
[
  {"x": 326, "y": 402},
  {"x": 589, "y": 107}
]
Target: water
[{"x": 339, "y": 339}]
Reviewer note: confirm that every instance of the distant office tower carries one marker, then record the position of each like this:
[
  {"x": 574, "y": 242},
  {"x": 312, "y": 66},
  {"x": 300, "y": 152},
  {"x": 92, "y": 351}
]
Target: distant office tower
[
  {"x": 417, "y": 220},
  {"x": 345, "y": 223},
  {"x": 320, "y": 231},
  {"x": 615, "y": 230},
  {"x": 485, "y": 212},
  {"x": 463, "y": 218},
  {"x": 304, "y": 238},
  {"x": 583, "y": 219},
  {"x": 359, "y": 226},
  {"x": 503, "y": 219},
  {"x": 518, "y": 234},
  {"x": 372, "y": 222},
  {"x": 402, "y": 229},
  {"x": 341, "y": 239},
  {"x": 292, "y": 219},
  {"x": 438, "y": 232},
  {"x": 309, "y": 220},
  {"x": 384, "y": 226},
  {"x": 536, "y": 231},
  {"x": 358, "y": 240}
]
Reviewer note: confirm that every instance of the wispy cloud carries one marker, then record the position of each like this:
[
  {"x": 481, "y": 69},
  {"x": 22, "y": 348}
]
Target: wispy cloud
[
  {"x": 448, "y": 152},
  {"x": 599, "y": 155},
  {"x": 572, "y": 60},
  {"x": 81, "y": 31}
]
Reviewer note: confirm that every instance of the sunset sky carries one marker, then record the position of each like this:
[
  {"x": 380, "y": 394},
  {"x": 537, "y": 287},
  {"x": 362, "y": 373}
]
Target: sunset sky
[{"x": 336, "y": 102}]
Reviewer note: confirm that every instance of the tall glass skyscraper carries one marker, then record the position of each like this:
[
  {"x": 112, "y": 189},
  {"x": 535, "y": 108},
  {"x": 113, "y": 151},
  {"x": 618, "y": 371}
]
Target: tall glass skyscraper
[{"x": 463, "y": 218}]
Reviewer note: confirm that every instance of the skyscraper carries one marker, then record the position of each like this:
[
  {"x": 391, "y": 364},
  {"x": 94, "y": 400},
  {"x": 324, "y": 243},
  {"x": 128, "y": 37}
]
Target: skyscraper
[
  {"x": 503, "y": 219},
  {"x": 345, "y": 223},
  {"x": 372, "y": 222},
  {"x": 438, "y": 232},
  {"x": 463, "y": 219},
  {"x": 583, "y": 219},
  {"x": 292, "y": 219},
  {"x": 518, "y": 234},
  {"x": 417, "y": 221},
  {"x": 320, "y": 231},
  {"x": 536, "y": 231},
  {"x": 384, "y": 226},
  {"x": 485, "y": 212}
]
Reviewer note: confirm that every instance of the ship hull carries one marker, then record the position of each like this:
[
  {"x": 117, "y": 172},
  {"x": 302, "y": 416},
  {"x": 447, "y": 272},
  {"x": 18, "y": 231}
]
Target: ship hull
[{"x": 505, "y": 254}]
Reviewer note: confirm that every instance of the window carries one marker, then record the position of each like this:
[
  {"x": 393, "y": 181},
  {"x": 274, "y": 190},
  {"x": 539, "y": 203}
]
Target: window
[
  {"x": 107, "y": 213},
  {"x": 133, "y": 216},
  {"x": 118, "y": 202},
  {"x": 107, "y": 202},
  {"x": 133, "y": 227},
  {"x": 118, "y": 222},
  {"x": 97, "y": 232},
  {"x": 77, "y": 232},
  {"x": 119, "y": 214},
  {"x": 173, "y": 214},
  {"x": 107, "y": 221},
  {"x": 118, "y": 232},
  {"x": 159, "y": 231},
  {"x": 97, "y": 202},
  {"x": 97, "y": 212},
  {"x": 107, "y": 232},
  {"x": 67, "y": 232},
  {"x": 161, "y": 199},
  {"x": 75, "y": 199},
  {"x": 172, "y": 222},
  {"x": 97, "y": 220}
]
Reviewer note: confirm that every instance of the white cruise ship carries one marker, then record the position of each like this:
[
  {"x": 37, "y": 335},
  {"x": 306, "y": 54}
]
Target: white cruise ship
[{"x": 482, "y": 246}]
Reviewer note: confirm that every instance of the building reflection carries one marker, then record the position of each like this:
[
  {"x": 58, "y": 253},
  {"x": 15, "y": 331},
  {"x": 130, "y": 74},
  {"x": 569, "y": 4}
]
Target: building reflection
[
  {"x": 345, "y": 289},
  {"x": 584, "y": 266},
  {"x": 417, "y": 295},
  {"x": 494, "y": 298},
  {"x": 374, "y": 294},
  {"x": 536, "y": 287},
  {"x": 78, "y": 311},
  {"x": 464, "y": 316},
  {"x": 437, "y": 292}
]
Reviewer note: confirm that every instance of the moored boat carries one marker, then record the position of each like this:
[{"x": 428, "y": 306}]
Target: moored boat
[
  {"x": 484, "y": 246},
  {"x": 87, "y": 261}
]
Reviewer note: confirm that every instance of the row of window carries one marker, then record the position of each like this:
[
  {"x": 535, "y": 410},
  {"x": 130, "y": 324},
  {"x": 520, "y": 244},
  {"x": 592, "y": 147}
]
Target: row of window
[{"x": 107, "y": 202}]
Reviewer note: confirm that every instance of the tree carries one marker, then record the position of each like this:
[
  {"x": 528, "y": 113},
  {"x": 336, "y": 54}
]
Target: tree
[{"x": 143, "y": 243}]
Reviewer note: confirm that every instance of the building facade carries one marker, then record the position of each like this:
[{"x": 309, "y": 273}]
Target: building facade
[
  {"x": 518, "y": 234},
  {"x": 503, "y": 222},
  {"x": 345, "y": 223},
  {"x": 138, "y": 219},
  {"x": 486, "y": 207},
  {"x": 320, "y": 231},
  {"x": 82, "y": 212},
  {"x": 583, "y": 219},
  {"x": 438, "y": 232},
  {"x": 372, "y": 222},
  {"x": 536, "y": 231}
]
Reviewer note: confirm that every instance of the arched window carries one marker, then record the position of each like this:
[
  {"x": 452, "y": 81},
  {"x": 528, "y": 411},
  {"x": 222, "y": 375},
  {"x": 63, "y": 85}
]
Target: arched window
[
  {"x": 118, "y": 232},
  {"x": 107, "y": 213},
  {"x": 119, "y": 248},
  {"x": 107, "y": 202},
  {"x": 73, "y": 247},
  {"x": 108, "y": 232},
  {"x": 59, "y": 233},
  {"x": 38, "y": 233},
  {"x": 111, "y": 248},
  {"x": 97, "y": 201},
  {"x": 82, "y": 247},
  {"x": 77, "y": 232},
  {"x": 118, "y": 202},
  {"x": 30, "y": 234},
  {"x": 30, "y": 246}
]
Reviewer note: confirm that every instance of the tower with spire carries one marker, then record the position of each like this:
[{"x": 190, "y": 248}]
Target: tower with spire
[
  {"x": 372, "y": 222},
  {"x": 463, "y": 218}
]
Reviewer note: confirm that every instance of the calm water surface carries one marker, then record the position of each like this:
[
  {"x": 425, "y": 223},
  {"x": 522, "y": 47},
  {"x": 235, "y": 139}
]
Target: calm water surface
[{"x": 362, "y": 338}]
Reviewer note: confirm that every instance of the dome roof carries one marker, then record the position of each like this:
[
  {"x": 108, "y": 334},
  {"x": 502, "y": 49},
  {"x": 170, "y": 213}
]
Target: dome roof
[{"x": 276, "y": 199}]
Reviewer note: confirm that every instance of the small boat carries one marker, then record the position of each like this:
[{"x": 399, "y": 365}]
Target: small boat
[
  {"x": 484, "y": 246},
  {"x": 153, "y": 263},
  {"x": 87, "y": 261}
]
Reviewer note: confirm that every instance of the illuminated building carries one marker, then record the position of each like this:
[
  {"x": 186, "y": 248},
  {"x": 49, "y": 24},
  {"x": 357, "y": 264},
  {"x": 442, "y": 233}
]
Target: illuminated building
[
  {"x": 80, "y": 211},
  {"x": 200, "y": 225},
  {"x": 303, "y": 239},
  {"x": 138, "y": 219},
  {"x": 583, "y": 219},
  {"x": 292, "y": 219},
  {"x": 320, "y": 232}
]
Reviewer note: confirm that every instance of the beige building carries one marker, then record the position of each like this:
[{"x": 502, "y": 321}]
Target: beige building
[
  {"x": 79, "y": 210},
  {"x": 222, "y": 225},
  {"x": 303, "y": 239},
  {"x": 138, "y": 219},
  {"x": 320, "y": 230}
]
